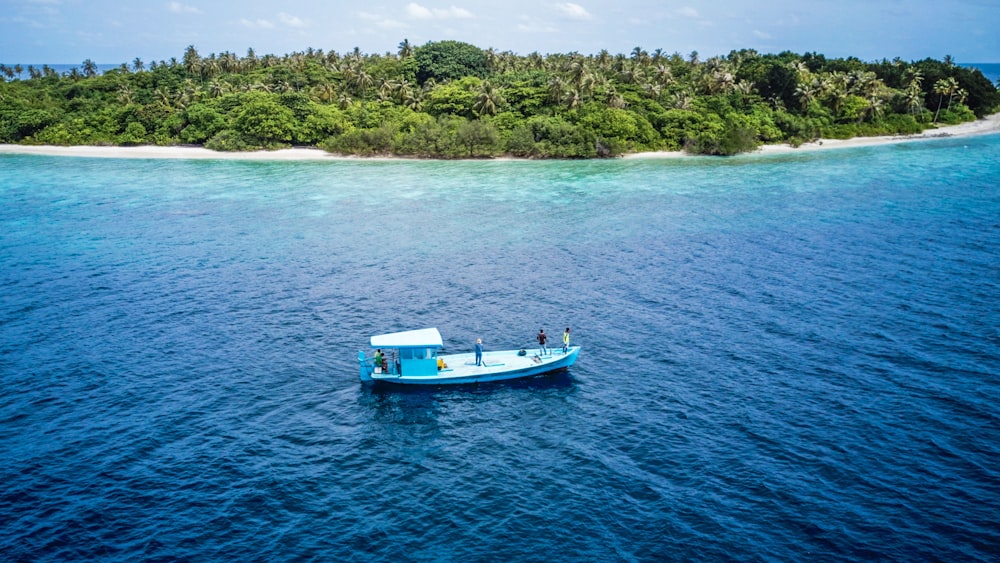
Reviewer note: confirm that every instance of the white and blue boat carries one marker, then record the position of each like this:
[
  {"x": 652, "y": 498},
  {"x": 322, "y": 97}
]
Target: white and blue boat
[{"x": 412, "y": 358}]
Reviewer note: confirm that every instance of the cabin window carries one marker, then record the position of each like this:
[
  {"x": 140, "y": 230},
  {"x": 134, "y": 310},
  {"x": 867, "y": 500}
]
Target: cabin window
[{"x": 417, "y": 353}]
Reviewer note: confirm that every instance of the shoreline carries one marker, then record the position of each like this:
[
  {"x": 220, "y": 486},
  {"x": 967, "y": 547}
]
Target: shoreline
[{"x": 986, "y": 125}]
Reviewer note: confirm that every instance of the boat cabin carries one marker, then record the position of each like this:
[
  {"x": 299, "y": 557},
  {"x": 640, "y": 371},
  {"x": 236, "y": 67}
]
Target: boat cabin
[{"x": 412, "y": 353}]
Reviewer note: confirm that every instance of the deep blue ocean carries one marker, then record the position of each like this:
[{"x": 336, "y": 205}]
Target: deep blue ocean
[{"x": 785, "y": 358}]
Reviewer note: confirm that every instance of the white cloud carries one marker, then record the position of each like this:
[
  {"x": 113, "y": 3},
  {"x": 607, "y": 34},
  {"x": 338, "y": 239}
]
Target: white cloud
[
  {"x": 460, "y": 13},
  {"x": 178, "y": 8},
  {"x": 573, "y": 11},
  {"x": 257, "y": 24},
  {"x": 687, "y": 11},
  {"x": 529, "y": 25},
  {"x": 381, "y": 21},
  {"x": 761, "y": 34},
  {"x": 418, "y": 12},
  {"x": 390, "y": 24},
  {"x": 290, "y": 20}
]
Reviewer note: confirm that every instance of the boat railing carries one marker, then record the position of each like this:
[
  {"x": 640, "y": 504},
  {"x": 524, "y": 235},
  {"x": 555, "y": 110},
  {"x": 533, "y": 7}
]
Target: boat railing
[{"x": 388, "y": 366}]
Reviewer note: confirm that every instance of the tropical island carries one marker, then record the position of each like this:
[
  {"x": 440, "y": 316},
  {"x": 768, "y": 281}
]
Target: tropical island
[{"x": 449, "y": 99}]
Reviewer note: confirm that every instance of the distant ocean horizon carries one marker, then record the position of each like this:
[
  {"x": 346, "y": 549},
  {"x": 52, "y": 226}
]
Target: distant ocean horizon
[{"x": 989, "y": 70}]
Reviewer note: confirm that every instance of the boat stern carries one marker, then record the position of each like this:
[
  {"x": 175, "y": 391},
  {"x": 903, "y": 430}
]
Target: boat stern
[{"x": 366, "y": 374}]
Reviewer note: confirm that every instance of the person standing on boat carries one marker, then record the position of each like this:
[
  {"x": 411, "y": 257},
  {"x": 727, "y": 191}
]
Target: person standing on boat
[
  {"x": 479, "y": 351},
  {"x": 378, "y": 359},
  {"x": 566, "y": 340},
  {"x": 541, "y": 341}
]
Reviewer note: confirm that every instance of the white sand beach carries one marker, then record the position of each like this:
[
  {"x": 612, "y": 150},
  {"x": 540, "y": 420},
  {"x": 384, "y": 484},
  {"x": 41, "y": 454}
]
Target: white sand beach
[
  {"x": 151, "y": 151},
  {"x": 989, "y": 124}
]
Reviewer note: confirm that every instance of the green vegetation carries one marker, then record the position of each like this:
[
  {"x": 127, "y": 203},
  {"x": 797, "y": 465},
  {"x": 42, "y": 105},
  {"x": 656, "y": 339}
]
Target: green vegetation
[{"x": 450, "y": 99}]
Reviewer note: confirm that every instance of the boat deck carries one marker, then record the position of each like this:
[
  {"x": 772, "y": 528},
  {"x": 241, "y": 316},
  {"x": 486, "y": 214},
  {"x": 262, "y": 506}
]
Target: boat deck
[{"x": 497, "y": 365}]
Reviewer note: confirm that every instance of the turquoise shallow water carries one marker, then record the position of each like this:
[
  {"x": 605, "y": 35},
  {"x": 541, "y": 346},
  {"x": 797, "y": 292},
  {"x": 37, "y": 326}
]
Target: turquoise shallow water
[{"x": 784, "y": 358}]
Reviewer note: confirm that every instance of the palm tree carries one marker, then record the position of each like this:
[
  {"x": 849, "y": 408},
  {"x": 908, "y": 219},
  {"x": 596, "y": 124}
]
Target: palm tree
[
  {"x": 216, "y": 88},
  {"x": 137, "y": 64},
  {"x": 387, "y": 89},
  {"x": 578, "y": 73},
  {"x": 405, "y": 48},
  {"x": 875, "y": 104},
  {"x": 614, "y": 99},
  {"x": 492, "y": 58},
  {"x": 962, "y": 94},
  {"x": 188, "y": 94},
  {"x": 89, "y": 68},
  {"x": 838, "y": 88},
  {"x": 325, "y": 92},
  {"x": 914, "y": 97},
  {"x": 630, "y": 74},
  {"x": 943, "y": 87},
  {"x": 125, "y": 94},
  {"x": 953, "y": 88},
  {"x": 663, "y": 75},
  {"x": 162, "y": 95},
  {"x": 535, "y": 61},
  {"x": 359, "y": 80},
  {"x": 722, "y": 80},
  {"x": 800, "y": 69},
  {"x": 681, "y": 100},
  {"x": 250, "y": 61},
  {"x": 806, "y": 94},
  {"x": 557, "y": 88},
  {"x": 640, "y": 56},
  {"x": 409, "y": 97},
  {"x": 604, "y": 60},
  {"x": 572, "y": 98},
  {"x": 229, "y": 63},
  {"x": 192, "y": 60},
  {"x": 489, "y": 100},
  {"x": 745, "y": 89},
  {"x": 914, "y": 75}
]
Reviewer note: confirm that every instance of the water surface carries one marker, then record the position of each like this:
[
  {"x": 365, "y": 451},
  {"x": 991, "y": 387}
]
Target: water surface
[{"x": 789, "y": 357}]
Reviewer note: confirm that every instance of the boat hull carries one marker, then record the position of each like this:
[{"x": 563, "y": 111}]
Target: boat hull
[{"x": 496, "y": 366}]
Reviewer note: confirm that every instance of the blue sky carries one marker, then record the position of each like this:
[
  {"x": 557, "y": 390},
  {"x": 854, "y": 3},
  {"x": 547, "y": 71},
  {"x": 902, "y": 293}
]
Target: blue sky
[{"x": 112, "y": 32}]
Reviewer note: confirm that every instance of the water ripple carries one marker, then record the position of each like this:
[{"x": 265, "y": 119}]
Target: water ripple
[{"x": 784, "y": 358}]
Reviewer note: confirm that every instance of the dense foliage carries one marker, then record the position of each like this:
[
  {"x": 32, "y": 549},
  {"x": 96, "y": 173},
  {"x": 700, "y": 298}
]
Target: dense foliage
[{"x": 450, "y": 99}]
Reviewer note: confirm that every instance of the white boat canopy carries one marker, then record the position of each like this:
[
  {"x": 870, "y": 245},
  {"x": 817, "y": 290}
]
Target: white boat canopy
[{"x": 422, "y": 338}]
